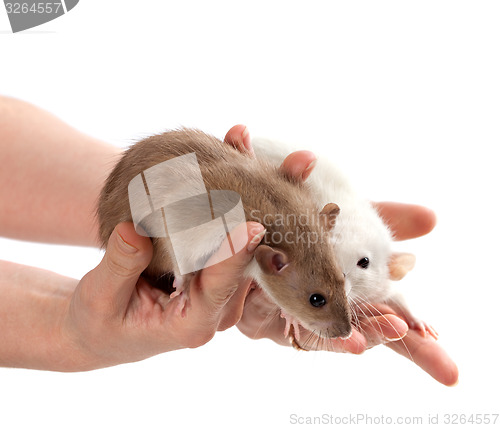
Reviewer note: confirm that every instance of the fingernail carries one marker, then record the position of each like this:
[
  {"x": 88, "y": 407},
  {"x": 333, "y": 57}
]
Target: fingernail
[
  {"x": 311, "y": 166},
  {"x": 255, "y": 241},
  {"x": 247, "y": 144},
  {"x": 125, "y": 246},
  {"x": 393, "y": 339},
  {"x": 398, "y": 337},
  {"x": 244, "y": 133}
]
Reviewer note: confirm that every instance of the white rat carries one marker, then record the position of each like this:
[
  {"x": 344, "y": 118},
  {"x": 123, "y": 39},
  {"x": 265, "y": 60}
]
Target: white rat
[{"x": 361, "y": 240}]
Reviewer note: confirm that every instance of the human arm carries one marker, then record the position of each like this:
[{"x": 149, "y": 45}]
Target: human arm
[
  {"x": 113, "y": 316},
  {"x": 51, "y": 176},
  {"x": 51, "y": 198}
]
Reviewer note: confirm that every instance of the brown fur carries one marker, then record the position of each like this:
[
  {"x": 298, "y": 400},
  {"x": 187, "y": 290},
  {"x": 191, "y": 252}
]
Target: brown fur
[{"x": 263, "y": 189}]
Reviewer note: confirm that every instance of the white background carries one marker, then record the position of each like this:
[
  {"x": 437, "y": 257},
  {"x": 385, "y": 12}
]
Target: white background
[{"x": 403, "y": 95}]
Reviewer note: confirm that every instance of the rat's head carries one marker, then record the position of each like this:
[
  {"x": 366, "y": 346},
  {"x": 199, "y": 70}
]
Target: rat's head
[
  {"x": 304, "y": 279},
  {"x": 362, "y": 245}
]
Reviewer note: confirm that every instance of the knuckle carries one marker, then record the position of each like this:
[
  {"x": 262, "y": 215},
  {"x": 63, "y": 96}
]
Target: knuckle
[
  {"x": 90, "y": 298},
  {"x": 200, "y": 338},
  {"x": 118, "y": 267},
  {"x": 100, "y": 309},
  {"x": 229, "y": 321},
  {"x": 219, "y": 298}
]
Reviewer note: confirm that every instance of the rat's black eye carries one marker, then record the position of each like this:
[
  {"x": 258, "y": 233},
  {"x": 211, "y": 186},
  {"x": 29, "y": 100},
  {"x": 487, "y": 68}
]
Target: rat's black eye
[
  {"x": 317, "y": 300},
  {"x": 364, "y": 262}
]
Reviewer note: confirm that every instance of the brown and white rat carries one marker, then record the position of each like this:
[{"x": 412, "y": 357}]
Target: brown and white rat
[
  {"x": 302, "y": 276},
  {"x": 360, "y": 239}
]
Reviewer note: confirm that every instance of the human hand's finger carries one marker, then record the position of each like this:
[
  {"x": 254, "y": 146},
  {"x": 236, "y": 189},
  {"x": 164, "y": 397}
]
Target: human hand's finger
[
  {"x": 239, "y": 137},
  {"x": 219, "y": 283},
  {"x": 406, "y": 221},
  {"x": 261, "y": 318},
  {"x": 299, "y": 165},
  {"x": 110, "y": 285},
  {"x": 423, "y": 351},
  {"x": 382, "y": 329},
  {"x": 355, "y": 344},
  {"x": 427, "y": 354}
]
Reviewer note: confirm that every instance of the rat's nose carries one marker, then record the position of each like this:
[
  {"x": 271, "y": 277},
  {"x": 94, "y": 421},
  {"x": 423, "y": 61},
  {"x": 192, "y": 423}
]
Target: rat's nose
[
  {"x": 347, "y": 333},
  {"x": 340, "y": 331}
]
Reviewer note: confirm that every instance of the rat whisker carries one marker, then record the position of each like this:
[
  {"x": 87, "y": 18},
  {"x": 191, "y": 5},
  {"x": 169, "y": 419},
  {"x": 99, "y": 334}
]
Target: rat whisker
[
  {"x": 368, "y": 318},
  {"x": 310, "y": 337},
  {"x": 319, "y": 341},
  {"x": 305, "y": 345},
  {"x": 392, "y": 325},
  {"x": 271, "y": 316},
  {"x": 325, "y": 341},
  {"x": 352, "y": 306},
  {"x": 368, "y": 306}
]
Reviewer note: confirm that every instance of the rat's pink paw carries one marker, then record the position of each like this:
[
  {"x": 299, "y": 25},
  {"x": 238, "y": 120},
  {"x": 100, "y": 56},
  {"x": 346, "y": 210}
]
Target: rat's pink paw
[
  {"x": 182, "y": 303},
  {"x": 422, "y": 327},
  {"x": 181, "y": 294},
  {"x": 178, "y": 285},
  {"x": 398, "y": 304},
  {"x": 432, "y": 331},
  {"x": 291, "y": 321}
]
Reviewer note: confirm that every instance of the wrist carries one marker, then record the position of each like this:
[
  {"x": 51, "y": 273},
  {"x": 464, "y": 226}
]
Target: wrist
[
  {"x": 71, "y": 353},
  {"x": 34, "y": 307}
]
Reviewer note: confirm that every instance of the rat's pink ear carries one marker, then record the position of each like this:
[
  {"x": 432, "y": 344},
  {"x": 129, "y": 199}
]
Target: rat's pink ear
[
  {"x": 270, "y": 260},
  {"x": 328, "y": 215},
  {"x": 400, "y": 264}
]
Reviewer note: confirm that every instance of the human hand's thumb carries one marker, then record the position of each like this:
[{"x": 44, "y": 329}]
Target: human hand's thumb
[
  {"x": 220, "y": 281},
  {"x": 113, "y": 281}
]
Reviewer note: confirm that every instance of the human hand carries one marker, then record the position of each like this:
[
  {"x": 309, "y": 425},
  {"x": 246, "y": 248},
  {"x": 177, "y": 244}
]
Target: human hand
[
  {"x": 115, "y": 316},
  {"x": 261, "y": 317}
]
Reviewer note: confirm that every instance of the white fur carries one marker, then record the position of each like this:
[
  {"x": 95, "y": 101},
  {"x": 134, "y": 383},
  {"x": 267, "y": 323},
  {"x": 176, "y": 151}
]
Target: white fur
[{"x": 358, "y": 232}]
